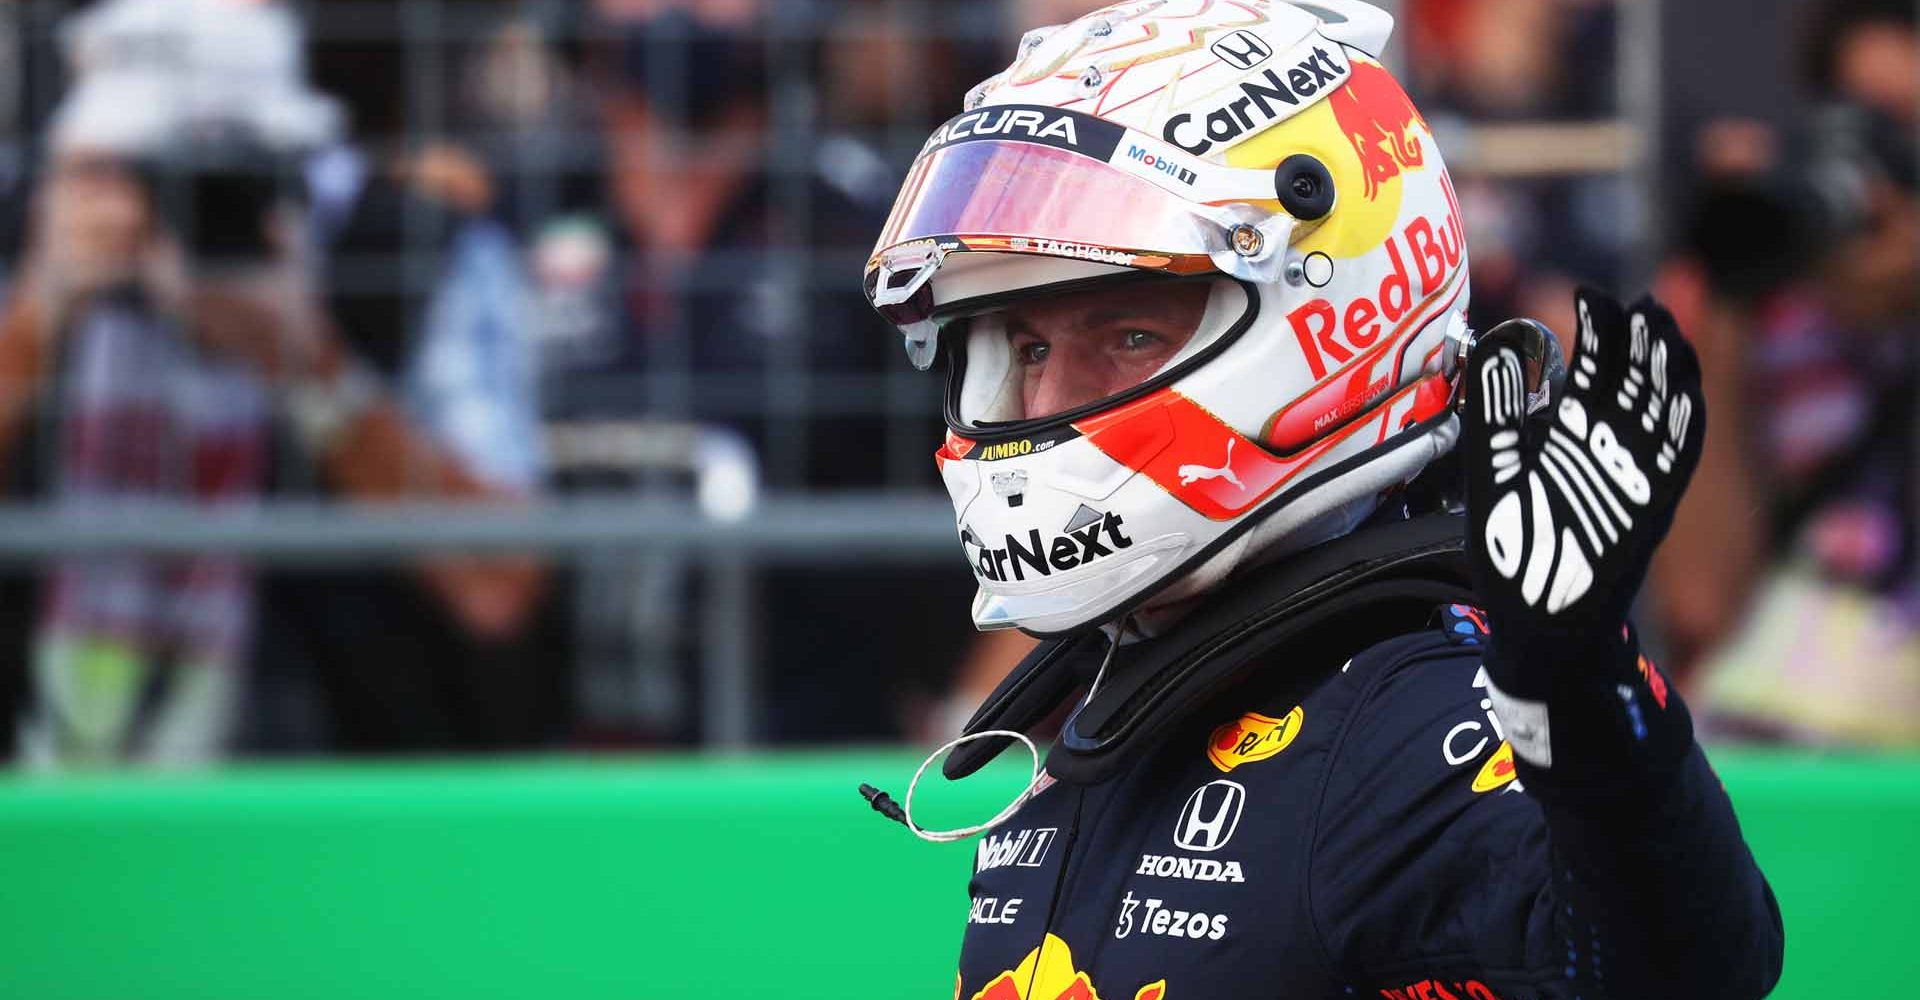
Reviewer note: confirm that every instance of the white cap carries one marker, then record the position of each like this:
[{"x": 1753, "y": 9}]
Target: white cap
[{"x": 150, "y": 73}]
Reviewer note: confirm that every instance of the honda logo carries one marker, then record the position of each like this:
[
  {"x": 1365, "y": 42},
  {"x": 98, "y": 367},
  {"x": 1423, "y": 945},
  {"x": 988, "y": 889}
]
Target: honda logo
[
  {"x": 1210, "y": 816},
  {"x": 1242, "y": 50}
]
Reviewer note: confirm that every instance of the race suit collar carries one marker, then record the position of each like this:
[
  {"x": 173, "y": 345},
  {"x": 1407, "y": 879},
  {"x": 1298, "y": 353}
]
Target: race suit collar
[{"x": 1353, "y": 591}]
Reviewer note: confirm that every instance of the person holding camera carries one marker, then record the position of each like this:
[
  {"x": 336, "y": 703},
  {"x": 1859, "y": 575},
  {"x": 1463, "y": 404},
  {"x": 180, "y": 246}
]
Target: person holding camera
[
  {"x": 1791, "y": 597},
  {"x": 166, "y": 339}
]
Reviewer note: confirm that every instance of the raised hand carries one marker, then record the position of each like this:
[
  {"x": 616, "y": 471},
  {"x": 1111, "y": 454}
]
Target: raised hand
[
  {"x": 1566, "y": 512},
  {"x": 1566, "y": 509}
]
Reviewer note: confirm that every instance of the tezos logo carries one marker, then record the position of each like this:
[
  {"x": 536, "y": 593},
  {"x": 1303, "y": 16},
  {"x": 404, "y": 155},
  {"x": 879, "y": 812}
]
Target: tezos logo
[
  {"x": 1272, "y": 97},
  {"x": 1242, "y": 50},
  {"x": 1210, "y": 816},
  {"x": 1164, "y": 922},
  {"x": 1089, "y": 534},
  {"x": 1025, "y": 848}
]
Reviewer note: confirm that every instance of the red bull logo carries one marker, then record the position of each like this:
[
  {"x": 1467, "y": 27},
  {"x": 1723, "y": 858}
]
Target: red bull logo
[
  {"x": 1424, "y": 263},
  {"x": 1497, "y": 771},
  {"x": 1377, "y": 118},
  {"x": 1050, "y": 971}
]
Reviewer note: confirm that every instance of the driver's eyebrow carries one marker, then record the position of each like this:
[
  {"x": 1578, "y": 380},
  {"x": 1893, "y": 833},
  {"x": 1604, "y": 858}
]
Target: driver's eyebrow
[
  {"x": 1097, "y": 316},
  {"x": 1102, "y": 315},
  {"x": 1105, "y": 315}
]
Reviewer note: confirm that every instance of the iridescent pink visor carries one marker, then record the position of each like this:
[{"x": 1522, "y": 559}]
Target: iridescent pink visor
[{"x": 1041, "y": 180}]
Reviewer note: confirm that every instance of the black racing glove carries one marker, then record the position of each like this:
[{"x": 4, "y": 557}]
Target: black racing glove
[{"x": 1564, "y": 510}]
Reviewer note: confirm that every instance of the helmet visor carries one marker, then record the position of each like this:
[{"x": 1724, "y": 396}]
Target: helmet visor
[
  {"x": 1016, "y": 189},
  {"x": 1021, "y": 197}
]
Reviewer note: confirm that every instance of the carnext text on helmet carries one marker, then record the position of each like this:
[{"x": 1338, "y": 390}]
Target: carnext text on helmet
[
  {"x": 1044, "y": 556},
  {"x": 1320, "y": 71}
]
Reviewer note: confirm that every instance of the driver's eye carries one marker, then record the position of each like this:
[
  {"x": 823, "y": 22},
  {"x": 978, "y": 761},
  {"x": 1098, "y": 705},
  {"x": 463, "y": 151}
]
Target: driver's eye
[
  {"x": 1139, "y": 340},
  {"x": 1032, "y": 352}
]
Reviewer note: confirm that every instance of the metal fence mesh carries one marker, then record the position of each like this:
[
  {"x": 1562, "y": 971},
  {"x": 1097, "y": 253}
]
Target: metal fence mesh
[{"x": 688, "y": 192}]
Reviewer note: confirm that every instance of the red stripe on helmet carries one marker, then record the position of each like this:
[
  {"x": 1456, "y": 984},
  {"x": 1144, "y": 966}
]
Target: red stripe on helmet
[
  {"x": 1203, "y": 462},
  {"x": 953, "y": 448},
  {"x": 1354, "y": 389}
]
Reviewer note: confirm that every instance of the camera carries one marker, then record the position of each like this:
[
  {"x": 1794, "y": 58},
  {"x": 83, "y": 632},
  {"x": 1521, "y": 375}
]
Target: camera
[
  {"x": 208, "y": 101},
  {"x": 217, "y": 195}
]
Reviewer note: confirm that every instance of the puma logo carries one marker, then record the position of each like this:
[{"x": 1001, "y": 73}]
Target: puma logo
[{"x": 1190, "y": 474}]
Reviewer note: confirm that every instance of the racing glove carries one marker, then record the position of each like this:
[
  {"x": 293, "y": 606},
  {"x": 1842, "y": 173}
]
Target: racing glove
[{"x": 1565, "y": 509}]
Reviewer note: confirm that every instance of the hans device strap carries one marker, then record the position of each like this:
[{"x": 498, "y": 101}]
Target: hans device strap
[{"x": 1340, "y": 598}]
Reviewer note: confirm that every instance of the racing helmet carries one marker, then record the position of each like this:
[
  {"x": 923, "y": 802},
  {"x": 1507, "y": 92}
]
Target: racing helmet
[{"x": 1259, "y": 149}]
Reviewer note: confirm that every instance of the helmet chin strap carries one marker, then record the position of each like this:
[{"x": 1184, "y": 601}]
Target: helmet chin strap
[
  {"x": 1035, "y": 784},
  {"x": 1160, "y": 613},
  {"x": 1167, "y": 608}
]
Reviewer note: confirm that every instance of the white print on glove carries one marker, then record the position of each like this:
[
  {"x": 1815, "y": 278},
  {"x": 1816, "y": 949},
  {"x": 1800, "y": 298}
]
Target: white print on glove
[{"x": 1596, "y": 478}]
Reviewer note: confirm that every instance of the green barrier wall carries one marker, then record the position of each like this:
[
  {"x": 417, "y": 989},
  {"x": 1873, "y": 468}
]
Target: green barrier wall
[{"x": 677, "y": 877}]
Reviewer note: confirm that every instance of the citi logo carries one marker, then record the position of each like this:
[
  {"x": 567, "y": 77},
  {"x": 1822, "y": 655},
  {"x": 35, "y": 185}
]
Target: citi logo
[
  {"x": 1025, "y": 849},
  {"x": 1210, "y": 816},
  {"x": 1242, "y": 50}
]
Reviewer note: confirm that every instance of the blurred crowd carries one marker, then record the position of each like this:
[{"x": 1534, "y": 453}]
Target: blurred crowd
[
  {"x": 362, "y": 252},
  {"x": 1788, "y": 592}
]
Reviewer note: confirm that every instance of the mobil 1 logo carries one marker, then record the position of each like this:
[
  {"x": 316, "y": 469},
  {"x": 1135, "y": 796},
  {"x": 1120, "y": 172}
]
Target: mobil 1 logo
[{"x": 1022, "y": 848}]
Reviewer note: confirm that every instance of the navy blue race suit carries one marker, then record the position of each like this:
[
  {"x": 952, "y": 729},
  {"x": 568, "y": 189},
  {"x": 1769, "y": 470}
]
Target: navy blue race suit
[{"x": 1363, "y": 829}]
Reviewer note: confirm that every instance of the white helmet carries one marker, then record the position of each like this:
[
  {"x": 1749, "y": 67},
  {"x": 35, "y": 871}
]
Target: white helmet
[{"x": 1256, "y": 146}]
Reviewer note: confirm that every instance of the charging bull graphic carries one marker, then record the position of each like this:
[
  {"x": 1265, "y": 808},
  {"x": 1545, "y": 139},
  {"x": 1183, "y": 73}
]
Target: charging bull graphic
[
  {"x": 1376, "y": 116},
  {"x": 1049, "y": 968},
  {"x": 1380, "y": 153}
]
